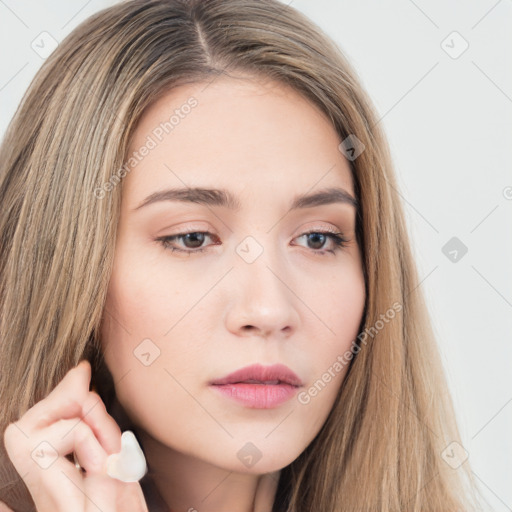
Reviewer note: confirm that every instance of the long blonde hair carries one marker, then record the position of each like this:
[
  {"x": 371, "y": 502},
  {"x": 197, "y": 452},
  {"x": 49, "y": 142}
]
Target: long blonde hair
[{"x": 381, "y": 447}]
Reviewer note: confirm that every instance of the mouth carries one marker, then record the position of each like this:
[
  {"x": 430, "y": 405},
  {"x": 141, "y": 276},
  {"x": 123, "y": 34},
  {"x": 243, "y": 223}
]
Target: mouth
[
  {"x": 259, "y": 387},
  {"x": 267, "y": 382},
  {"x": 275, "y": 374}
]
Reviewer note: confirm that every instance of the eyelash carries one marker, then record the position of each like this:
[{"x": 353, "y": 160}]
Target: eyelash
[{"x": 337, "y": 238}]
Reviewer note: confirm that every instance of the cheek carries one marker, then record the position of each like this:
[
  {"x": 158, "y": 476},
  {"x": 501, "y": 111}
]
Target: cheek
[
  {"x": 341, "y": 306},
  {"x": 143, "y": 305},
  {"x": 336, "y": 301},
  {"x": 149, "y": 295}
]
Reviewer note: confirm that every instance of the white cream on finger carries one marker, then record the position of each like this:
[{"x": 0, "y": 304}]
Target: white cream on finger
[{"x": 129, "y": 465}]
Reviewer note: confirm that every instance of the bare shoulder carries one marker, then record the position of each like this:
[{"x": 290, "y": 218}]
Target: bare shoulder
[{"x": 5, "y": 508}]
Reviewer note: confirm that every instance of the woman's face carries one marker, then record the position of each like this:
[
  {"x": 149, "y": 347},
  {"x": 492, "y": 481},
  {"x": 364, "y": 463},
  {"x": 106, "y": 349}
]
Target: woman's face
[{"x": 248, "y": 286}]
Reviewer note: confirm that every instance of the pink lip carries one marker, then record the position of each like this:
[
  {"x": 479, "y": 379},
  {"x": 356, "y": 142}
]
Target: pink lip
[{"x": 275, "y": 385}]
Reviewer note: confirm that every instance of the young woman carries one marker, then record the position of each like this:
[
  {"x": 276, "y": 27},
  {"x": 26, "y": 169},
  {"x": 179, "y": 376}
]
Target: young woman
[{"x": 201, "y": 242}]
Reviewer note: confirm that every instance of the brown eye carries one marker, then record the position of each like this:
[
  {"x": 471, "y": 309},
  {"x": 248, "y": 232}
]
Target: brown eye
[
  {"x": 191, "y": 241},
  {"x": 317, "y": 240}
]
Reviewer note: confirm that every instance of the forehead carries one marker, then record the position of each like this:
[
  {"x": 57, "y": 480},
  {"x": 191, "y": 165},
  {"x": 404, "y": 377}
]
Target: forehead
[{"x": 246, "y": 134}]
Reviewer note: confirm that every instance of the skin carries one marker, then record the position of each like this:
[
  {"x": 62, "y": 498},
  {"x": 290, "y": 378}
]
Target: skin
[
  {"x": 206, "y": 314},
  {"x": 210, "y": 313},
  {"x": 70, "y": 419}
]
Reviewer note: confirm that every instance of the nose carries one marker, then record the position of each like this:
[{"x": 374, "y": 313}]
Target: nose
[{"x": 262, "y": 301}]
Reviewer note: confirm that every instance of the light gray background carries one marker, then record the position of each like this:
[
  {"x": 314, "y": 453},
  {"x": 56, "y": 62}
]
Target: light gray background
[{"x": 448, "y": 121}]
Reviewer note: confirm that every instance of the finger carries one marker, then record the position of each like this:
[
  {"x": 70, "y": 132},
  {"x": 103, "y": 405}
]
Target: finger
[
  {"x": 110, "y": 495},
  {"x": 101, "y": 423},
  {"x": 55, "y": 484},
  {"x": 131, "y": 499},
  {"x": 64, "y": 401},
  {"x": 127, "y": 497},
  {"x": 37, "y": 456},
  {"x": 72, "y": 398},
  {"x": 90, "y": 454},
  {"x": 53, "y": 481},
  {"x": 60, "y": 405},
  {"x": 100, "y": 493}
]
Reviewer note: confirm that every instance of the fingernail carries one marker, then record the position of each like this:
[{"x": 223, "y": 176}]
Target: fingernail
[{"x": 129, "y": 465}]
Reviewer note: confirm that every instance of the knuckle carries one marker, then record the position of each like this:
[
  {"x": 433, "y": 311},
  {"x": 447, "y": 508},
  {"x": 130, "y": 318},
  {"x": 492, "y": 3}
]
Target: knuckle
[
  {"x": 94, "y": 400},
  {"x": 14, "y": 441},
  {"x": 12, "y": 435},
  {"x": 82, "y": 432},
  {"x": 72, "y": 405},
  {"x": 9, "y": 434}
]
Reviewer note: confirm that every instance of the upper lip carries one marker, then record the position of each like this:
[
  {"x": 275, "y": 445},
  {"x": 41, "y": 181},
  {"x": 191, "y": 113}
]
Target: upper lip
[{"x": 262, "y": 374}]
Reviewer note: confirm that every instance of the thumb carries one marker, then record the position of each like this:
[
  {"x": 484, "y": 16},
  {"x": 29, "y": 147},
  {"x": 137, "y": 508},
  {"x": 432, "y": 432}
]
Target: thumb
[{"x": 103, "y": 492}]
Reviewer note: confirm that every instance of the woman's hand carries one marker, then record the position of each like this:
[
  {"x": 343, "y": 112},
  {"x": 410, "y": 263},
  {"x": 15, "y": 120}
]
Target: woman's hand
[{"x": 71, "y": 419}]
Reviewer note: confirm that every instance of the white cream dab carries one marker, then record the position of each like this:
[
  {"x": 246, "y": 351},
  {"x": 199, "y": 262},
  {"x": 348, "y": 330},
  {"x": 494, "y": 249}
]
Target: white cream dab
[{"x": 129, "y": 465}]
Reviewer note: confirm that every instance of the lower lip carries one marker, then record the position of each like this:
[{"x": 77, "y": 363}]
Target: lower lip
[{"x": 258, "y": 396}]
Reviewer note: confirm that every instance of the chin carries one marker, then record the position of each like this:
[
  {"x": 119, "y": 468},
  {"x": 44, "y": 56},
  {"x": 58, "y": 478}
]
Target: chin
[{"x": 256, "y": 458}]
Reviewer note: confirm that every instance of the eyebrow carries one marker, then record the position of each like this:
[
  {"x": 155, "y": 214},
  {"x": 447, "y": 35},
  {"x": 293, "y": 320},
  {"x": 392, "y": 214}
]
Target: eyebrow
[{"x": 224, "y": 198}]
